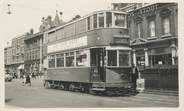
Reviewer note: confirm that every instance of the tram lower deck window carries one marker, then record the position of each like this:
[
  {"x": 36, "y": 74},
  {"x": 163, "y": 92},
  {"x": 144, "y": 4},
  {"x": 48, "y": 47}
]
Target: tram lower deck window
[
  {"x": 60, "y": 60},
  {"x": 51, "y": 61},
  {"x": 81, "y": 58},
  {"x": 70, "y": 59}
]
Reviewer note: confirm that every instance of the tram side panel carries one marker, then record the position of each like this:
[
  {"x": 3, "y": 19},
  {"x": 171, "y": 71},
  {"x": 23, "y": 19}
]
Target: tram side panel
[
  {"x": 118, "y": 77},
  {"x": 69, "y": 74},
  {"x": 104, "y": 36}
]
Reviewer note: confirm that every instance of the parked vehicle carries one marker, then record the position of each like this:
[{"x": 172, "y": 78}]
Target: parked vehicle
[{"x": 8, "y": 78}]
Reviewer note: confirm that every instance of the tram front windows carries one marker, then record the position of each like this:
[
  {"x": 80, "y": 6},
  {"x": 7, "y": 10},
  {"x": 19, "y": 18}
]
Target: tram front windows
[
  {"x": 118, "y": 58},
  {"x": 112, "y": 58},
  {"x": 124, "y": 58}
]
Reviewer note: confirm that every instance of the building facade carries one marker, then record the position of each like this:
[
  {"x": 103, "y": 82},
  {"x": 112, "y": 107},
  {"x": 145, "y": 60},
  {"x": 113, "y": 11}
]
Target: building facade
[
  {"x": 153, "y": 30},
  {"x": 14, "y": 56},
  {"x": 33, "y": 53}
]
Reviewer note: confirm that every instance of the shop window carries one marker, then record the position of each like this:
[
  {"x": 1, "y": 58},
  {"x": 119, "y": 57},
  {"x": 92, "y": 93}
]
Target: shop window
[
  {"x": 51, "y": 60},
  {"x": 101, "y": 20},
  {"x": 95, "y": 21},
  {"x": 151, "y": 28},
  {"x": 166, "y": 25},
  {"x": 81, "y": 58},
  {"x": 112, "y": 58},
  {"x": 59, "y": 60},
  {"x": 108, "y": 19},
  {"x": 164, "y": 59},
  {"x": 119, "y": 20},
  {"x": 124, "y": 58},
  {"x": 70, "y": 59}
]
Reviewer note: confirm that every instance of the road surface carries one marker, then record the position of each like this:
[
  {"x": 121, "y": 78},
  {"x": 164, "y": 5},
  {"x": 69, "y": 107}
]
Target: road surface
[{"x": 36, "y": 96}]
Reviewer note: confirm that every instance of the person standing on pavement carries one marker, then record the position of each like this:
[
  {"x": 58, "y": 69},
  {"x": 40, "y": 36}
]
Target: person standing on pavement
[
  {"x": 28, "y": 80},
  {"x": 24, "y": 79},
  {"x": 135, "y": 74}
]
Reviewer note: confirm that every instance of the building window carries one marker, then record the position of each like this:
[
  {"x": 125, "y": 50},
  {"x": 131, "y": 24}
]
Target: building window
[
  {"x": 119, "y": 20},
  {"x": 51, "y": 60},
  {"x": 166, "y": 25},
  {"x": 112, "y": 58},
  {"x": 59, "y": 60},
  {"x": 139, "y": 30},
  {"x": 95, "y": 21},
  {"x": 69, "y": 59},
  {"x": 81, "y": 58},
  {"x": 151, "y": 28},
  {"x": 164, "y": 59},
  {"x": 108, "y": 19},
  {"x": 101, "y": 20},
  {"x": 124, "y": 58}
]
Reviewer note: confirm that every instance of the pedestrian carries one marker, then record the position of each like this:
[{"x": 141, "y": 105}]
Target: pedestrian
[
  {"x": 135, "y": 74},
  {"x": 28, "y": 80},
  {"x": 24, "y": 80}
]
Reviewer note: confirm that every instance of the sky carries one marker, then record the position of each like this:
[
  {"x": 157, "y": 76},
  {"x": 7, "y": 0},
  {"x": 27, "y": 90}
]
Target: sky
[{"x": 27, "y": 14}]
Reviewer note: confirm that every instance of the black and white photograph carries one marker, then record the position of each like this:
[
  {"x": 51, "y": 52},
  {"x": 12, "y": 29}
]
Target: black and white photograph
[{"x": 90, "y": 54}]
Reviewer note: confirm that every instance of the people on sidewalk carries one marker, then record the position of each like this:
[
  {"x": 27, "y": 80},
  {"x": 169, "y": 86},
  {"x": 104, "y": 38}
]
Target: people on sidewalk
[
  {"x": 26, "y": 79},
  {"x": 135, "y": 74}
]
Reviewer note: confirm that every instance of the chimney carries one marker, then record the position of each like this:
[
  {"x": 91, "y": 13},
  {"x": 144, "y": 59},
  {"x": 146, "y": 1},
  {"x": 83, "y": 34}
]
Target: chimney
[
  {"x": 49, "y": 21},
  {"x": 61, "y": 20},
  {"x": 31, "y": 31}
]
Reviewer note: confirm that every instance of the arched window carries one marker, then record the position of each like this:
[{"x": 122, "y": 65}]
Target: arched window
[
  {"x": 152, "y": 28},
  {"x": 166, "y": 25}
]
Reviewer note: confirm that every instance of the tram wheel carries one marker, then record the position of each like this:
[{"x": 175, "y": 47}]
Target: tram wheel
[
  {"x": 61, "y": 86},
  {"x": 71, "y": 87},
  {"x": 91, "y": 91}
]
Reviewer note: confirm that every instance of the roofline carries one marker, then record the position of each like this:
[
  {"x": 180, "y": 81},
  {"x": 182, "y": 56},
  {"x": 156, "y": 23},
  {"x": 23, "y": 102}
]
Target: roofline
[
  {"x": 20, "y": 36},
  {"x": 56, "y": 28}
]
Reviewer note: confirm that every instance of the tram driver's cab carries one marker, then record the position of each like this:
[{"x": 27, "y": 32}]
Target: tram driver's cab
[{"x": 110, "y": 61}]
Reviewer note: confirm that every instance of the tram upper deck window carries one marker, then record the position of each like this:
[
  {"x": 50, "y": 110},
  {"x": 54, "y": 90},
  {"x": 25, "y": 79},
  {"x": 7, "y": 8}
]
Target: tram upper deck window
[
  {"x": 89, "y": 23},
  {"x": 69, "y": 59},
  {"x": 124, "y": 58},
  {"x": 108, "y": 19},
  {"x": 112, "y": 58},
  {"x": 95, "y": 21},
  {"x": 51, "y": 60},
  {"x": 59, "y": 60},
  {"x": 119, "y": 19},
  {"x": 101, "y": 20},
  {"x": 81, "y": 58}
]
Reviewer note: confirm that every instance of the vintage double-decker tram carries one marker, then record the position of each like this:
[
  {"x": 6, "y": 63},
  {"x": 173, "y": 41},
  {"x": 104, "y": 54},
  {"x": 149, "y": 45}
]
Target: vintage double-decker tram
[{"x": 90, "y": 54}]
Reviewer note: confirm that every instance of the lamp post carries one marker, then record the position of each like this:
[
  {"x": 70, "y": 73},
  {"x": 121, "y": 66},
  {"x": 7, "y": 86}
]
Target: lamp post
[{"x": 9, "y": 12}]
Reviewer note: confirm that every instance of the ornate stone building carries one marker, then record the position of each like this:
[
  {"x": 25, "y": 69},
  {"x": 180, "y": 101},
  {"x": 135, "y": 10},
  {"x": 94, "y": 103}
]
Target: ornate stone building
[{"x": 153, "y": 30}]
